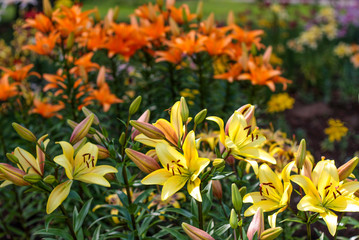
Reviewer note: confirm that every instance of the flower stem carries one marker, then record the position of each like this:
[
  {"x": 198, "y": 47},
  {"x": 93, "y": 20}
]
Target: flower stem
[
  {"x": 234, "y": 234},
  {"x": 309, "y": 232},
  {"x": 200, "y": 214},
  {"x": 240, "y": 226},
  {"x": 68, "y": 222}
]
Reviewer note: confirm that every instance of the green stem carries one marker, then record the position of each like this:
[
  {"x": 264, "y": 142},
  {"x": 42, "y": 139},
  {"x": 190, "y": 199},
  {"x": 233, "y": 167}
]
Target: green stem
[
  {"x": 240, "y": 227},
  {"x": 234, "y": 234},
  {"x": 68, "y": 222},
  {"x": 340, "y": 219},
  {"x": 309, "y": 232},
  {"x": 200, "y": 214}
]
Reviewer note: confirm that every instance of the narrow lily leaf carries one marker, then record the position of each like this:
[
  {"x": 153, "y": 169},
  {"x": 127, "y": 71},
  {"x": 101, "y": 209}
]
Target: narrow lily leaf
[
  {"x": 54, "y": 232},
  {"x": 82, "y": 214},
  {"x": 96, "y": 233}
]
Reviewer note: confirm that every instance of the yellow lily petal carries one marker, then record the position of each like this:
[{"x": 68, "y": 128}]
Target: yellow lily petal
[
  {"x": 86, "y": 158},
  {"x": 147, "y": 141},
  {"x": 168, "y": 130},
  {"x": 307, "y": 185},
  {"x": 176, "y": 119},
  {"x": 331, "y": 220},
  {"x": 254, "y": 165},
  {"x": 5, "y": 183},
  {"x": 266, "y": 175},
  {"x": 58, "y": 195},
  {"x": 168, "y": 155},
  {"x": 103, "y": 170},
  {"x": 92, "y": 178},
  {"x": 220, "y": 123},
  {"x": 286, "y": 193},
  {"x": 194, "y": 189},
  {"x": 189, "y": 148},
  {"x": 198, "y": 166},
  {"x": 344, "y": 204},
  {"x": 267, "y": 206},
  {"x": 68, "y": 151},
  {"x": 253, "y": 197},
  {"x": 348, "y": 188},
  {"x": 27, "y": 161},
  {"x": 328, "y": 175},
  {"x": 63, "y": 161},
  {"x": 286, "y": 171},
  {"x": 172, "y": 185},
  {"x": 236, "y": 129},
  {"x": 257, "y": 153},
  {"x": 158, "y": 177},
  {"x": 309, "y": 203}
]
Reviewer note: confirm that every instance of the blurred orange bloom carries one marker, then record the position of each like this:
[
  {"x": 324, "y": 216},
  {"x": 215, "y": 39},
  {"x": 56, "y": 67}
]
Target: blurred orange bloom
[
  {"x": 7, "y": 90},
  {"x": 148, "y": 11},
  {"x": 154, "y": 30},
  {"x": 46, "y": 109},
  {"x": 20, "y": 73},
  {"x": 44, "y": 44},
  {"x": 215, "y": 45},
  {"x": 41, "y": 22},
  {"x": 173, "y": 55},
  {"x": 233, "y": 73},
  {"x": 105, "y": 97},
  {"x": 247, "y": 37},
  {"x": 94, "y": 38},
  {"x": 189, "y": 44},
  {"x": 178, "y": 14},
  {"x": 55, "y": 82},
  {"x": 85, "y": 63},
  {"x": 355, "y": 60}
]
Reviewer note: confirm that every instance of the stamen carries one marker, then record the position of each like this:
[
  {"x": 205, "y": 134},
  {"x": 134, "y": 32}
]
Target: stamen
[
  {"x": 249, "y": 126},
  {"x": 267, "y": 191},
  {"x": 339, "y": 192},
  {"x": 328, "y": 186},
  {"x": 173, "y": 172},
  {"x": 334, "y": 195},
  {"x": 179, "y": 171},
  {"x": 256, "y": 137},
  {"x": 326, "y": 194},
  {"x": 252, "y": 138},
  {"x": 168, "y": 167},
  {"x": 180, "y": 165}
]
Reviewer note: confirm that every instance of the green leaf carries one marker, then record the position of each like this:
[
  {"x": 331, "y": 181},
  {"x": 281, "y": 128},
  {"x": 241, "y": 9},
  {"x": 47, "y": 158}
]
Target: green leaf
[
  {"x": 180, "y": 211},
  {"x": 96, "y": 233},
  {"x": 82, "y": 214},
  {"x": 221, "y": 230},
  {"x": 54, "y": 232},
  {"x": 173, "y": 232},
  {"x": 51, "y": 217}
]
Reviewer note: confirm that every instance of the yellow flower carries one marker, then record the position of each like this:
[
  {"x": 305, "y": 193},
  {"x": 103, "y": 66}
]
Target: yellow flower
[
  {"x": 83, "y": 168},
  {"x": 336, "y": 130},
  {"x": 280, "y": 102},
  {"x": 173, "y": 200},
  {"x": 241, "y": 141},
  {"x": 178, "y": 169},
  {"x": 324, "y": 192},
  {"x": 342, "y": 50},
  {"x": 189, "y": 94},
  {"x": 273, "y": 194}
]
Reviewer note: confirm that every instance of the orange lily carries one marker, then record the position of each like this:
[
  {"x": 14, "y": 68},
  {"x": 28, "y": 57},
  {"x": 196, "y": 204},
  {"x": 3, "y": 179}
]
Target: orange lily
[
  {"x": 20, "y": 73},
  {"x": 85, "y": 62},
  {"x": 232, "y": 74},
  {"x": 41, "y": 22},
  {"x": 173, "y": 55},
  {"x": 154, "y": 30},
  {"x": 189, "y": 44},
  {"x": 247, "y": 37},
  {"x": 177, "y": 14},
  {"x": 216, "y": 45},
  {"x": 46, "y": 109},
  {"x": 44, "y": 45},
  {"x": 7, "y": 90},
  {"x": 105, "y": 97}
]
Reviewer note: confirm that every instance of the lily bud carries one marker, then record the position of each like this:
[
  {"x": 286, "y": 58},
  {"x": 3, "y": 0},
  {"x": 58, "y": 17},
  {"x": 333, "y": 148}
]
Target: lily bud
[
  {"x": 230, "y": 160},
  {"x": 346, "y": 169},
  {"x": 82, "y": 129},
  {"x": 230, "y": 18},
  {"x": 87, "y": 112},
  {"x": 248, "y": 113},
  {"x": 145, "y": 163},
  {"x": 122, "y": 139},
  {"x": 196, "y": 233},
  {"x": 233, "y": 220},
  {"x": 13, "y": 174},
  {"x": 135, "y": 105},
  {"x": 159, "y": 3},
  {"x": 236, "y": 198},
  {"x": 184, "y": 109},
  {"x": 199, "y": 11},
  {"x": 97, "y": 14},
  {"x": 70, "y": 41},
  {"x": 301, "y": 153},
  {"x": 71, "y": 123},
  {"x": 32, "y": 178},
  {"x": 77, "y": 146},
  {"x": 116, "y": 12},
  {"x": 12, "y": 158},
  {"x": 243, "y": 191},
  {"x": 24, "y": 132},
  {"x": 49, "y": 179},
  {"x": 217, "y": 189},
  {"x": 103, "y": 153},
  {"x": 218, "y": 163},
  {"x": 147, "y": 129},
  {"x": 145, "y": 117},
  {"x": 271, "y": 233},
  {"x": 256, "y": 225},
  {"x": 199, "y": 118},
  {"x": 174, "y": 27},
  {"x": 46, "y": 6}
]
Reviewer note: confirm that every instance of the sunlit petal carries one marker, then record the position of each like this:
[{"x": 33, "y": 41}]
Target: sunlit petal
[{"x": 58, "y": 195}]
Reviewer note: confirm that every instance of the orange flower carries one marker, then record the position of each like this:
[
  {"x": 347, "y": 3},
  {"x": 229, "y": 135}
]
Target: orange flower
[
  {"x": 55, "y": 82},
  {"x": 85, "y": 63},
  {"x": 94, "y": 38},
  {"x": 105, "y": 97},
  {"x": 355, "y": 60},
  {"x": 41, "y": 22},
  {"x": 247, "y": 37},
  {"x": 189, "y": 44},
  {"x": 7, "y": 90},
  {"x": 44, "y": 44},
  {"x": 215, "y": 45},
  {"x": 233, "y": 73},
  {"x": 173, "y": 55},
  {"x": 46, "y": 109},
  {"x": 20, "y": 73},
  {"x": 178, "y": 14},
  {"x": 147, "y": 11},
  {"x": 154, "y": 30}
]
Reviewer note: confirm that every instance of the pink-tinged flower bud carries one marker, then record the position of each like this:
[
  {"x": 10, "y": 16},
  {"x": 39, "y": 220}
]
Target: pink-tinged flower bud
[
  {"x": 103, "y": 153},
  {"x": 301, "y": 153},
  {"x": 142, "y": 161},
  {"x": 184, "y": 109},
  {"x": 256, "y": 225},
  {"x": 152, "y": 153},
  {"x": 24, "y": 132},
  {"x": 230, "y": 160},
  {"x": 196, "y": 233},
  {"x": 72, "y": 124},
  {"x": 271, "y": 233},
  {"x": 13, "y": 174},
  {"x": 217, "y": 189},
  {"x": 230, "y": 18},
  {"x": 147, "y": 129},
  {"x": 82, "y": 129},
  {"x": 87, "y": 112},
  {"x": 110, "y": 176},
  {"x": 248, "y": 113},
  {"x": 145, "y": 117},
  {"x": 77, "y": 146},
  {"x": 346, "y": 169},
  {"x": 40, "y": 154}
]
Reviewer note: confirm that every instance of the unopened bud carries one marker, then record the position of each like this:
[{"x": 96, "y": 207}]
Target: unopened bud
[
  {"x": 77, "y": 146},
  {"x": 82, "y": 129},
  {"x": 145, "y": 117},
  {"x": 50, "y": 179},
  {"x": 110, "y": 176},
  {"x": 218, "y": 163},
  {"x": 196, "y": 233},
  {"x": 24, "y": 132},
  {"x": 230, "y": 160},
  {"x": 346, "y": 169},
  {"x": 236, "y": 198},
  {"x": 46, "y": 6},
  {"x": 301, "y": 154},
  {"x": 13, "y": 174},
  {"x": 199, "y": 11},
  {"x": 135, "y": 105},
  {"x": 71, "y": 123},
  {"x": 103, "y": 153},
  {"x": 256, "y": 225},
  {"x": 175, "y": 30},
  {"x": 271, "y": 233},
  {"x": 97, "y": 14},
  {"x": 70, "y": 41},
  {"x": 243, "y": 191},
  {"x": 32, "y": 178},
  {"x": 230, "y": 18},
  {"x": 159, "y": 3},
  {"x": 199, "y": 118},
  {"x": 184, "y": 109},
  {"x": 12, "y": 158},
  {"x": 233, "y": 220},
  {"x": 87, "y": 112},
  {"x": 122, "y": 139},
  {"x": 116, "y": 11},
  {"x": 217, "y": 189},
  {"x": 147, "y": 129},
  {"x": 145, "y": 163}
]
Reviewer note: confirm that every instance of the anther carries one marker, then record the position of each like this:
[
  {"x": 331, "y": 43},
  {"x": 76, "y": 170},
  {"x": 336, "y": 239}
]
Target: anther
[{"x": 168, "y": 167}]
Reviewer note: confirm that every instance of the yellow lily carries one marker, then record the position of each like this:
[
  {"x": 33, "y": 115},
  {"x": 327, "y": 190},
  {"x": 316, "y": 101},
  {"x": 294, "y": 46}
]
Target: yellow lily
[
  {"x": 241, "y": 141},
  {"x": 273, "y": 194},
  {"x": 172, "y": 130},
  {"x": 83, "y": 168},
  {"x": 325, "y": 192},
  {"x": 178, "y": 169}
]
